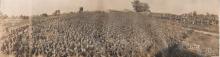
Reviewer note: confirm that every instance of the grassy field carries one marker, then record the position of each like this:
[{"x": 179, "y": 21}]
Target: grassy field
[{"x": 108, "y": 34}]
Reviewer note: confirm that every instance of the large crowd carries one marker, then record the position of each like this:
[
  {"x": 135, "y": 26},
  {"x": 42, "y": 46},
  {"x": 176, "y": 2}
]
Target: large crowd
[
  {"x": 94, "y": 34},
  {"x": 205, "y": 22}
]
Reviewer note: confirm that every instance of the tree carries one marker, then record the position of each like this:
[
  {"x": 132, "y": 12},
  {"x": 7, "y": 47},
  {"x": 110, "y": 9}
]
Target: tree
[
  {"x": 24, "y": 17},
  {"x": 57, "y": 12},
  {"x": 194, "y": 13},
  {"x": 140, "y": 7},
  {"x": 44, "y": 14},
  {"x": 80, "y": 9},
  {"x": 1, "y": 13},
  {"x": 3, "y": 16}
]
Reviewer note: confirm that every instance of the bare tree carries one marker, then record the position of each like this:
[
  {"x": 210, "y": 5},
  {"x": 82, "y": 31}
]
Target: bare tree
[{"x": 140, "y": 7}]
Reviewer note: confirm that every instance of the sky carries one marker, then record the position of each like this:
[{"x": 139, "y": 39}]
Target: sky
[{"x": 33, "y": 7}]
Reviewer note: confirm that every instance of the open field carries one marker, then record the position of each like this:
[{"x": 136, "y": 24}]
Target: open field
[{"x": 110, "y": 34}]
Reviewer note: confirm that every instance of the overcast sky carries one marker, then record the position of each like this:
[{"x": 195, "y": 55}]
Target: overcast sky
[{"x": 30, "y": 7}]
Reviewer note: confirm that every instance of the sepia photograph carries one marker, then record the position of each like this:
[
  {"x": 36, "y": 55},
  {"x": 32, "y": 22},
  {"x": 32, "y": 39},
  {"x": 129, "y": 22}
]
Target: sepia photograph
[{"x": 109, "y": 28}]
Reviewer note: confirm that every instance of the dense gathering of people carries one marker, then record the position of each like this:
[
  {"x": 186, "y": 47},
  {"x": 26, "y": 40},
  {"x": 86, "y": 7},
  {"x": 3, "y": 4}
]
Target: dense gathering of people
[
  {"x": 98, "y": 34},
  {"x": 192, "y": 20},
  {"x": 92, "y": 34}
]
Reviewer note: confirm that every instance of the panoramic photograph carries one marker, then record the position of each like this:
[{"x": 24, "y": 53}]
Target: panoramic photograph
[{"x": 109, "y": 28}]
